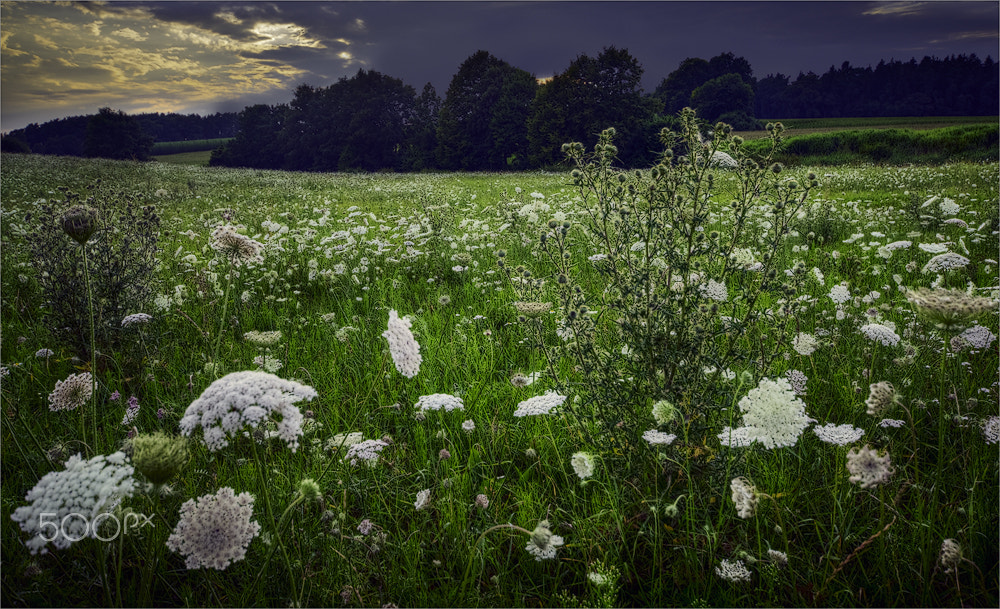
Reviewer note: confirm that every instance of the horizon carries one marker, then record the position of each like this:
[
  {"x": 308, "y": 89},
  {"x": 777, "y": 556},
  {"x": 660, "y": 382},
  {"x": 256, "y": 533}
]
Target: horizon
[{"x": 208, "y": 57}]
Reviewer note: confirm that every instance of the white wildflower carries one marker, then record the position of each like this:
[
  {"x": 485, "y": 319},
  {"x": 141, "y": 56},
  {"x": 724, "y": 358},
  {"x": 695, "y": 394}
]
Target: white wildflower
[
  {"x": 215, "y": 529},
  {"x": 744, "y": 497},
  {"x": 402, "y": 346},
  {"x": 867, "y": 468},
  {"x": 658, "y": 438},
  {"x": 439, "y": 401},
  {"x": 583, "y": 464},
  {"x": 541, "y": 404},
  {"x": 838, "y": 434}
]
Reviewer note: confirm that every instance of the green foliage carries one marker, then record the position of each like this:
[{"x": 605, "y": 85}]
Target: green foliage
[
  {"x": 726, "y": 95},
  {"x": 112, "y": 134},
  {"x": 122, "y": 255},
  {"x": 181, "y": 146},
  {"x": 483, "y": 118}
]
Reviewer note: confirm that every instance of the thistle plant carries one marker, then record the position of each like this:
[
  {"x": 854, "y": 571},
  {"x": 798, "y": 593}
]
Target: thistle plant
[{"x": 682, "y": 310}]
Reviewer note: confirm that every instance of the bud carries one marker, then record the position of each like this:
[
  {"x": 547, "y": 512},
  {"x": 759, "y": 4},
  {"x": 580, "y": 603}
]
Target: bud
[
  {"x": 80, "y": 223},
  {"x": 309, "y": 489},
  {"x": 158, "y": 456},
  {"x": 776, "y": 168},
  {"x": 541, "y": 535}
]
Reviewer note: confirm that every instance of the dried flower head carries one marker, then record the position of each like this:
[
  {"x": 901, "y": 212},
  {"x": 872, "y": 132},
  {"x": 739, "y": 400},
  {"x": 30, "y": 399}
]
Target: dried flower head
[
  {"x": 215, "y": 529},
  {"x": 158, "y": 456},
  {"x": 482, "y": 501},
  {"x": 744, "y": 497},
  {"x": 867, "y": 468},
  {"x": 72, "y": 392},
  {"x": 532, "y": 309},
  {"x": 79, "y": 223},
  {"x": 882, "y": 396},
  {"x": 72, "y": 500},
  {"x": 402, "y": 345},
  {"x": 237, "y": 248},
  {"x": 950, "y": 555},
  {"x": 519, "y": 380},
  {"x": 949, "y": 309},
  {"x": 246, "y": 400}
]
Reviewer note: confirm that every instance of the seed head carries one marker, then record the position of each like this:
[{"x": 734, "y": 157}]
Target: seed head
[{"x": 79, "y": 223}]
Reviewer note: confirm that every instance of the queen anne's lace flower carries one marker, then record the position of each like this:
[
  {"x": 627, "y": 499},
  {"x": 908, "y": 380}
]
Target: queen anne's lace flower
[
  {"x": 881, "y": 397},
  {"x": 714, "y": 290},
  {"x": 950, "y": 555},
  {"x": 947, "y": 261},
  {"x": 267, "y": 338},
  {"x": 543, "y": 542},
  {"x": 658, "y": 438},
  {"x": 246, "y": 400},
  {"x": 805, "y": 344},
  {"x": 64, "y": 506},
  {"x": 366, "y": 452},
  {"x": 867, "y": 468},
  {"x": 838, "y": 434},
  {"x": 72, "y": 392},
  {"x": 214, "y": 530},
  {"x": 881, "y": 334},
  {"x": 733, "y": 571},
  {"x": 583, "y": 464},
  {"x": 772, "y": 415},
  {"x": 439, "y": 401},
  {"x": 540, "y": 404},
  {"x": 238, "y": 248},
  {"x": 423, "y": 499},
  {"x": 744, "y": 497},
  {"x": 402, "y": 345},
  {"x": 136, "y": 319},
  {"x": 991, "y": 430},
  {"x": 839, "y": 294}
]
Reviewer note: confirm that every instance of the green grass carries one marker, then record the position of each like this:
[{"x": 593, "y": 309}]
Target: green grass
[
  {"x": 177, "y": 147},
  {"x": 806, "y": 126},
  {"x": 337, "y": 247},
  {"x": 199, "y": 158}
]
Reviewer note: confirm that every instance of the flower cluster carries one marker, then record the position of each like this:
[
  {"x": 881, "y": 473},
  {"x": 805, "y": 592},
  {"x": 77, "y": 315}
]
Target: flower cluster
[
  {"x": 423, "y": 500},
  {"x": 583, "y": 464},
  {"x": 533, "y": 309},
  {"x": 136, "y": 319},
  {"x": 714, "y": 290},
  {"x": 805, "y": 344},
  {"x": 838, "y": 434},
  {"x": 247, "y": 399},
  {"x": 159, "y": 457},
  {"x": 950, "y": 555},
  {"x": 214, "y": 530},
  {"x": 881, "y": 334},
  {"x": 72, "y": 392},
  {"x": 658, "y": 438},
  {"x": 365, "y": 452},
  {"x": 733, "y": 571},
  {"x": 72, "y": 500},
  {"x": 263, "y": 339},
  {"x": 867, "y": 468},
  {"x": 991, "y": 429},
  {"x": 540, "y": 404},
  {"x": 945, "y": 262},
  {"x": 238, "y": 248},
  {"x": 543, "y": 542},
  {"x": 402, "y": 346},
  {"x": 948, "y": 309},
  {"x": 744, "y": 497},
  {"x": 881, "y": 397},
  {"x": 439, "y": 401},
  {"x": 772, "y": 415}
]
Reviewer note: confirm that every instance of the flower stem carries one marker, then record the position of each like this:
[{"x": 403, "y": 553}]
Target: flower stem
[
  {"x": 222, "y": 322},
  {"x": 93, "y": 346}
]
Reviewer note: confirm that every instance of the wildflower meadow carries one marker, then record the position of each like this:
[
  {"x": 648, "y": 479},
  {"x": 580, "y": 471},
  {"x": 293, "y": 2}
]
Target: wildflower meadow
[{"x": 716, "y": 381}]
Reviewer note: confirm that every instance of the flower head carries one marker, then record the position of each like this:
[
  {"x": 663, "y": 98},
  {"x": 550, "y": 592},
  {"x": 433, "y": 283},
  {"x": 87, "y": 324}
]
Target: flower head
[
  {"x": 79, "y": 223},
  {"x": 583, "y": 464},
  {"x": 744, "y": 497},
  {"x": 540, "y": 404},
  {"x": 72, "y": 499},
  {"x": 533, "y": 309},
  {"x": 881, "y": 334},
  {"x": 402, "y": 346},
  {"x": 262, "y": 339},
  {"x": 950, "y": 555},
  {"x": 365, "y": 452},
  {"x": 881, "y": 397},
  {"x": 867, "y": 468},
  {"x": 805, "y": 344},
  {"x": 838, "y": 434},
  {"x": 136, "y": 319},
  {"x": 215, "y": 529},
  {"x": 439, "y": 401},
  {"x": 949, "y": 309},
  {"x": 423, "y": 499},
  {"x": 131, "y": 411},
  {"x": 945, "y": 262},
  {"x": 238, "y": 248},
  {"x": 772, "y": 415},
  {"x": 543, "y": 542},
  {"x": 72, "y": 392},
  {"x": 246, "y": 400},
  {"x": 658, "y": 438},
  {"x": 664, "y": 412},
  {"x": 158, "y": 456},
  {"x": 733, "y": 571},
  {"x": 991, "y": 429}
]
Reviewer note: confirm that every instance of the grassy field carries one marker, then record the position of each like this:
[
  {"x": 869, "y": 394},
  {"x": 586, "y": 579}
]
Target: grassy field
[
  {"x": 199, "y": 158},
  {"x": 806, "y": 126},
  {"x": 655, "y": 312}
]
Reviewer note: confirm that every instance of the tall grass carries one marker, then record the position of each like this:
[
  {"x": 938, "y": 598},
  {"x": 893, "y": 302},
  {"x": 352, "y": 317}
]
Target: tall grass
[{"x": 344, "y": 250}]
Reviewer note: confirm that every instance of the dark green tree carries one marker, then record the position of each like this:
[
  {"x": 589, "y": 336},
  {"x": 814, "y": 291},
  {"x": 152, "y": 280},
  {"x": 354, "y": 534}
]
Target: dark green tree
[
  {"x": 590, "y": 96},
  {"x": 256, "y": 143},
  {"x": 112, "y": 134},
  {"x": 421, "y": 142},
  {"x": 726, "y": 96},
  {"x": 482, "y": 125}
]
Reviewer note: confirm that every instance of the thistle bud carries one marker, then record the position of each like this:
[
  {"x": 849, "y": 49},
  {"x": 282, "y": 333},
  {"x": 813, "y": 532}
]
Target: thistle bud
[
  {"x": 158, "y": 456},
  {"x": 80, "y": 223},
  {"x": 309, "y": 489}
]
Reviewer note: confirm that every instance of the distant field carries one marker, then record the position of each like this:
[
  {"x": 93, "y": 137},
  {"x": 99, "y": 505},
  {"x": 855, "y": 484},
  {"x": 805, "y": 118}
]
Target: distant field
[
  {"x": 199, "y": 157},
  {"x": 804, "y": 126},
  {"x": 163, "y": 148}
]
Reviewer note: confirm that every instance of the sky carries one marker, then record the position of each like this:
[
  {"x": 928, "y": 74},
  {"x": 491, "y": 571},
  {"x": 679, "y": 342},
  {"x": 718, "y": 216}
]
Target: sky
[{"x": 60, "y": 59}]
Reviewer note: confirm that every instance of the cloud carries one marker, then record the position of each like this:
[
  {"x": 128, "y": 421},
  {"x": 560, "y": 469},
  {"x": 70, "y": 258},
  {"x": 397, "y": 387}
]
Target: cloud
[
  {"x": 129, "y": 33},
  {"x": 897, "y": 8}
]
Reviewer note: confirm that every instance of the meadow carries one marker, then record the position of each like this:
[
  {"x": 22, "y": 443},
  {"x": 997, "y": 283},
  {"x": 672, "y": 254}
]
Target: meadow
[{"x": 682, "y": 386}]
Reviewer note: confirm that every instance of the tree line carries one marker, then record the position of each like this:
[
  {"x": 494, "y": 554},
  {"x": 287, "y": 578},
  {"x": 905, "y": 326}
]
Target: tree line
[
  {"x": 133, "y": 134},
  {"x": 495, "y": 116}
]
